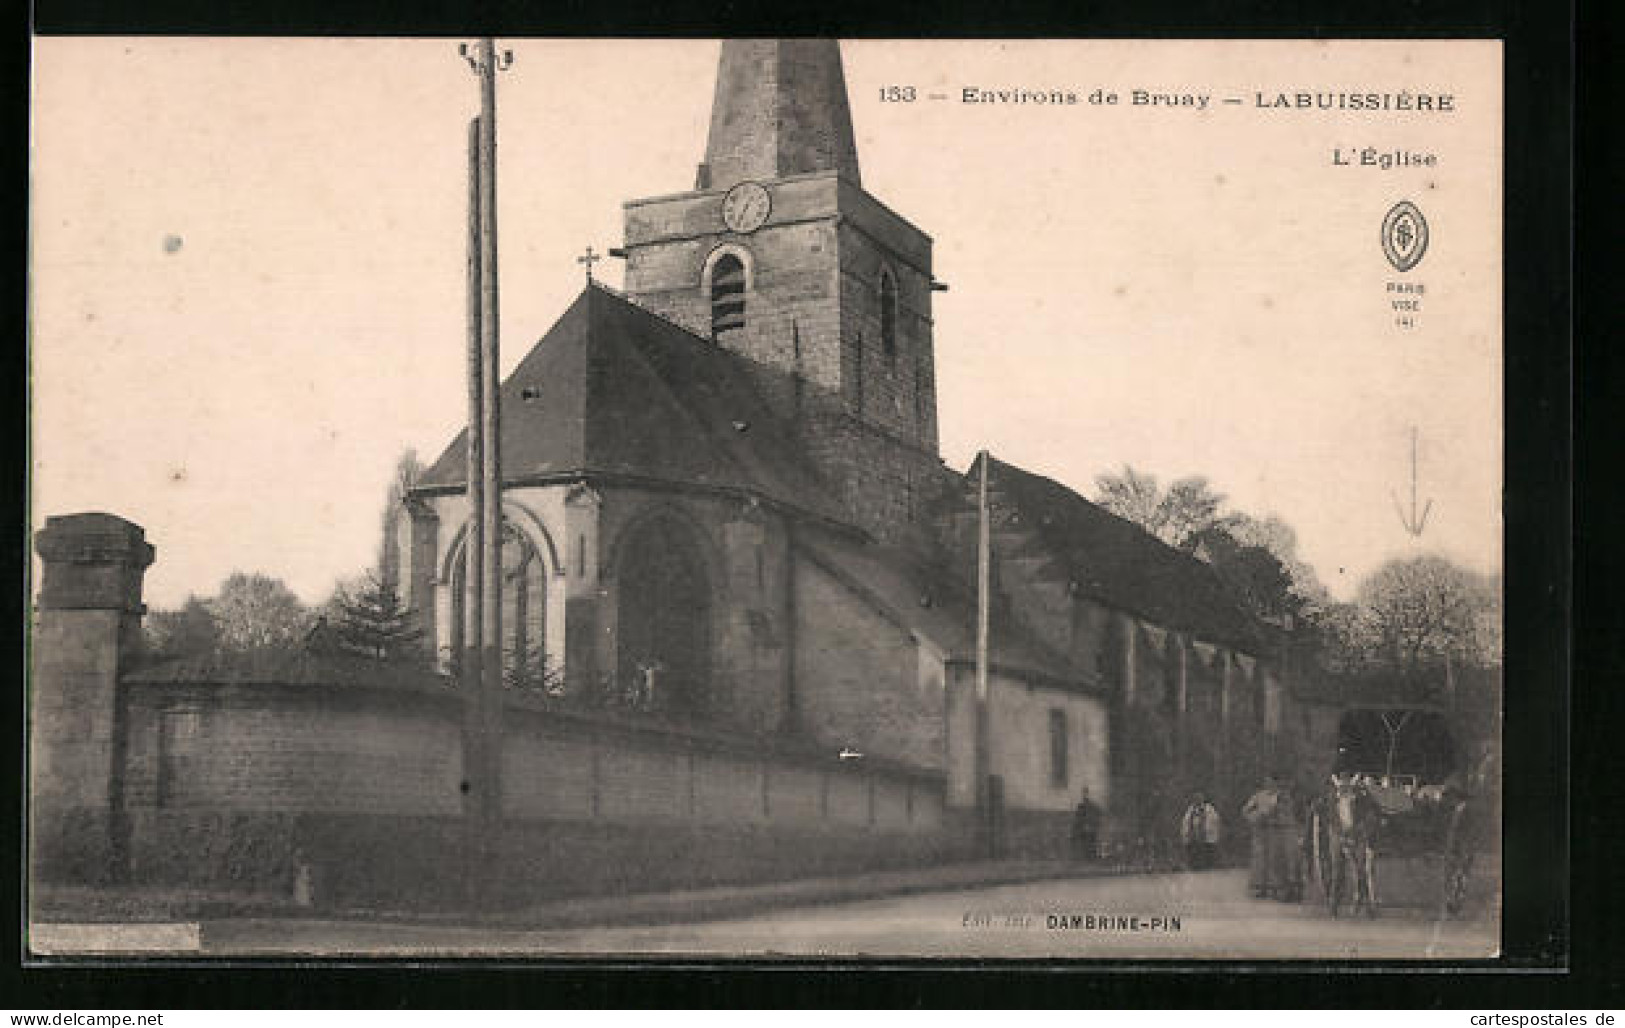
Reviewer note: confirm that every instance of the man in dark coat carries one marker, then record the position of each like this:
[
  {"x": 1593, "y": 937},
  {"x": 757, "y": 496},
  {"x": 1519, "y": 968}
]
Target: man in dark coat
[{"x": 1086, "y": 828}]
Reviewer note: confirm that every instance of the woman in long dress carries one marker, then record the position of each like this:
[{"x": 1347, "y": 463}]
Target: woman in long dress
[{"x": 1273, "y": 815}]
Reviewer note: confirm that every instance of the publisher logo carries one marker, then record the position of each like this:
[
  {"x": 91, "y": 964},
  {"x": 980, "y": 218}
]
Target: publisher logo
[{"x": 1404, "y": 236}]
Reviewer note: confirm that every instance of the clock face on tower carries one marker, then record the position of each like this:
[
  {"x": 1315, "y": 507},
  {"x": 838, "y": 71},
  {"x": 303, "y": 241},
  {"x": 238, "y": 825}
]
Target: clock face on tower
[{"x": 746, "y": 207}]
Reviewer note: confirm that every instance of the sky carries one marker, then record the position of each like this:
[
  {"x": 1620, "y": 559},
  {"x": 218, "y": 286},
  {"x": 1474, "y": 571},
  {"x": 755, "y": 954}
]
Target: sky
[{"x": 247, "y": 272}]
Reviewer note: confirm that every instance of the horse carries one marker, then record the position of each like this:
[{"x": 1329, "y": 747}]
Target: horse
[
  {"x": 1341, "y": 844},
  {"x": 1355, "y": 821}
]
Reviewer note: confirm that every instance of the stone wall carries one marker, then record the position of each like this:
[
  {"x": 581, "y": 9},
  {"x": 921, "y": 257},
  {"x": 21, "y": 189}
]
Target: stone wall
[
  {"x": 359, "y": 788},
  {"x": 275, "y": 748}
]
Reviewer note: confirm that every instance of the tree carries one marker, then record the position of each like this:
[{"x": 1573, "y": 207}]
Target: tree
[
  {"x": 368, "y": 618},
  {"x": 1423, "y": 612},
  {"x": 256, "y": 612},
  {"x": 1178, "y": 515},
  {"x": 408, "y": 471},
  {"x": 1276, "y": 536},
  {"x": 1133, "y": 497},
  {"x": 1253, "y": 575},
  {"x": 1345, "y": 638},
  {"x": 189, "y": 631}
]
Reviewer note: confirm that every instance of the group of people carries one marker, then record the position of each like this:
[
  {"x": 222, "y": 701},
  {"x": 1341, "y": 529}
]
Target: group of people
[
  {"x": 1276, "y": 817},
  {"x": 1273, "y": 813}
]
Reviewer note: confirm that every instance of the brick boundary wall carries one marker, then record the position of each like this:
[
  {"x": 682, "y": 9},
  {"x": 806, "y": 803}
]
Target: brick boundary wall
[{"x": 281, "y": 803}]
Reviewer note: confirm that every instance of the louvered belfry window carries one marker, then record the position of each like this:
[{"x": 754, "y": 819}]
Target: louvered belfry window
[{"x": 727, "y": 295}]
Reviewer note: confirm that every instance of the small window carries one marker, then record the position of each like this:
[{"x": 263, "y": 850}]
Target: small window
[
  {"x": 1057, "y": 748},
  {"x": 888, "y": 315},
  {"x": 727, "y": 295}
]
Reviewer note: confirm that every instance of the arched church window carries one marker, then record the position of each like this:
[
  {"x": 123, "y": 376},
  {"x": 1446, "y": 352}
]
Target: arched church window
[
  {"x": 727, "y": 295},
  {"x": 663, "y": 620},
  {"x": 526, "y": 663},
  {"x": 888, "y": 314}
]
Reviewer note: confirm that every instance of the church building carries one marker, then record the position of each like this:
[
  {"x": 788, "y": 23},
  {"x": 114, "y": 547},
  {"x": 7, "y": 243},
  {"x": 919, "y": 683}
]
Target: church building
[
  {"x": 739, "y": 603},
  {"x": 725, "y": 498}
]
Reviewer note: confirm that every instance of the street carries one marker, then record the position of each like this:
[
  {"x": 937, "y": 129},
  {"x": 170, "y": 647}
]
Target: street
[{"x": 1171, "y": 916}]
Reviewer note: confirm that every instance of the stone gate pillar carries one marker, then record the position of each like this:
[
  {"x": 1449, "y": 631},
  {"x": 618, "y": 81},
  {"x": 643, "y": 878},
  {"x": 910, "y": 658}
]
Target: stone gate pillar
[{"x": 87, "y": 629}]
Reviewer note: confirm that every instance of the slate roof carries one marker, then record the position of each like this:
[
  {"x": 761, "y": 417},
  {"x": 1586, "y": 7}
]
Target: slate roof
[
  {"x": 1121, "y": 565},
  {"x": 615, "y": 390},
  {"x": 897, "y": 582}
]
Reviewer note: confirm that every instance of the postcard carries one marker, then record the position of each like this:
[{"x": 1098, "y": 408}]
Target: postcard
[{"x": 766, "y": 498}]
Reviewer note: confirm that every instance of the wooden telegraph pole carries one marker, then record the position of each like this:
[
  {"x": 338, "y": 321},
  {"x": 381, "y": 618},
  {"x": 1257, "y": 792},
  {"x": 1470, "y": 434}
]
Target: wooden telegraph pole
[
  {"x": 491, "y": 464},
  {"x": 474, "y": 541},
  {"x": 984, "y": 586},
  {"x": 482, "y": 657}
]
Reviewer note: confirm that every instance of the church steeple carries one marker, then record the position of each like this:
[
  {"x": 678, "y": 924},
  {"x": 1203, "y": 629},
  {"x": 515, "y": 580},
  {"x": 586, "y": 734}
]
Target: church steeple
[
  {"x": 779, "y": 255},
  {"x": 780, "y": 109}
]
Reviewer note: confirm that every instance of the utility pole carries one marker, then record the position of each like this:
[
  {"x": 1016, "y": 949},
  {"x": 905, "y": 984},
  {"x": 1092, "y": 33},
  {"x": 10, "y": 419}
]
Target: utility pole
[
  {"x": 472, "y": 683},
  {"x": 491, "y": 464},
  {"x": 482, "y": 661},
  {"x": 984, "y": 588}
]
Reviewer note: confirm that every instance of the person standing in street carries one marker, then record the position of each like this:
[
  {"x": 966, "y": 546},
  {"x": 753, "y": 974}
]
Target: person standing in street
[
  {"x": 1086, "y": 828},
  {"x": 1199, "y": 831},
  {"x": 1273, "y": 816}
]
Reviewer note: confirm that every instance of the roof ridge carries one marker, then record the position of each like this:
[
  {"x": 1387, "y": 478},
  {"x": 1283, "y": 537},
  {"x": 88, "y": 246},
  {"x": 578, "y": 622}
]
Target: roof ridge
[
  {"x": 632, "y": 301},
  {"x": 1126, "y": 522},
  {"x": 1170, "y": 558},
  {"x": 710, "y": 345}
]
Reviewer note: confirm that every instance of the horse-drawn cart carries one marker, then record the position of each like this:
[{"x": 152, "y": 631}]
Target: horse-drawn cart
[
  {"x": 1402, "y": 828},
  {"x": 1362, "y": 836}
]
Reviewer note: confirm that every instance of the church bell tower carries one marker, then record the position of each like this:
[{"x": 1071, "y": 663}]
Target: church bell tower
[{"x": 780, "y": 255}]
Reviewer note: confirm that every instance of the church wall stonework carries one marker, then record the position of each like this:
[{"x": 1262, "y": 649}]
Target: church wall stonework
[
  {"x": 813, "y": 324},
  {"x": 895, "y": 389},
  {"x": 744, "y": 549},
  {"x": 858, "y": 681},
  {"x": 888, "y": 485},
  {"x": 792, "y": 305}
]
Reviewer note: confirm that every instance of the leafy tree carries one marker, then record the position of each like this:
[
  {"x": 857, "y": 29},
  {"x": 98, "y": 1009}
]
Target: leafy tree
[
  {"x": 257, "y": 611},
  {"x": 1256, "y": 557},
  {"x": 1345, "y": 639},
  {"x": 1132, "y": 496},
  {"x": 189, "y": 631},
  {"x": 1278, "y": 537},
  {"x": 368, "y": 618},
  {"x": 1424, "y": 611},
  {"x": 1253, "y": 575},
  {"x": 1178, "y": 515}
]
